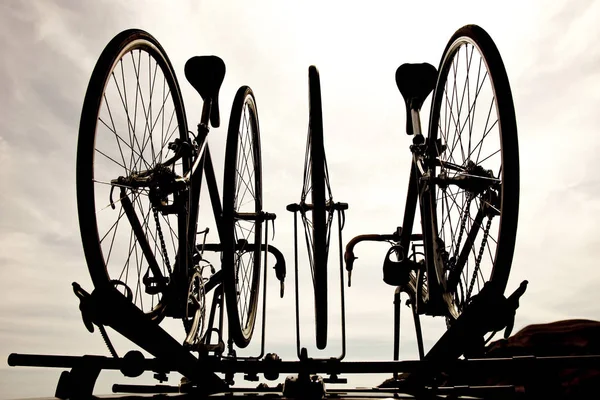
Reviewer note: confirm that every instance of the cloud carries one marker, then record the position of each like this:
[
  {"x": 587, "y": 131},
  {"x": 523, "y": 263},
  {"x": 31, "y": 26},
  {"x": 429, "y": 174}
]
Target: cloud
[{"x": 50, "y": 49}]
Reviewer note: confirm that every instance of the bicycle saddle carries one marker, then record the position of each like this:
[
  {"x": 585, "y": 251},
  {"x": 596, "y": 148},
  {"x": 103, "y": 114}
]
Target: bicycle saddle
[
  {"x": 205, "y": 74},
  {"x": 415, "y": 82}
]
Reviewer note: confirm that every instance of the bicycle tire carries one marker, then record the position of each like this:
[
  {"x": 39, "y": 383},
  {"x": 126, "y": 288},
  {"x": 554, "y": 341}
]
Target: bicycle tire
[
  {"x": 104, "y": 135},
  {"x": 318, "y": 200},
  {"x": 243, "y": 148},
  {"x": 499, "y": 201}
]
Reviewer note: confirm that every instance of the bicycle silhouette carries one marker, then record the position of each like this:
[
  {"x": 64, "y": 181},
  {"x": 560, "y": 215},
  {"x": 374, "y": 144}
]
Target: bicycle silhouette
[
  {"x": 140, "y": 172},
  {"x": 139, "y": 176}
]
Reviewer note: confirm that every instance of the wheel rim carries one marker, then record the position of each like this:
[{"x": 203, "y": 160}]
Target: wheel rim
[
  {"x": 316, "y": 190},
  {"x": 470, "y": 123},
  {"x": 246, "y": 198},
  {"x": 317, "y": 222},
  {"x": 138, "y": 114}
]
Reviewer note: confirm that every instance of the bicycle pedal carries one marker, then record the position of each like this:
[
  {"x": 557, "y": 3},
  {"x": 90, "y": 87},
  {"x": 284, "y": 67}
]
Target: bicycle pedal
[{"x": 154, "y": 285}]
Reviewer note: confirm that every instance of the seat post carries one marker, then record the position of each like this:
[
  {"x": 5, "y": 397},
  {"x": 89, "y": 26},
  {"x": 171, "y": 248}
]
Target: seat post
[
  {"x": 416, "y": 126},
  {"x": 204, "y": 119}
]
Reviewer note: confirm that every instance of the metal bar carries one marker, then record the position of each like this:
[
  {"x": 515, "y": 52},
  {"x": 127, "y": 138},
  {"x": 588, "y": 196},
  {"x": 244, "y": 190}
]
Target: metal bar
[
  {"x": 253, "y": 216},
  {"x": 396, "y": 327},
  {"x": 140, "y": 236},
  {"x": 414, "y": 300},
  {"x": 181, "y": 269},
  {"x": 416, "y": 122},
  {"x": 146, "y": 389},
  {"x": 397, "y": 302},
  {"x": 297, "y": 285},
  {"x": 410, "y": 207},
  {"x": 342, "y": 289},
  {"x": 418, "y": 330},
  {"x": 213, "y": 281},
  {"x": 221, "y": 300},
  {"x": 205, "y": 116},
  {"x": 454, "y": 276},
  {"x": 360, "y": 367},
  {"x": 264, "y": 318},
  {"x": 211, "y": 319},
  {"x": 264, "y": 308},
  {"x": 55, "y": 361},
  {"x": 195, "y": 188},
  {"x": 435, "y": 303},
  {"x": 213, "y": 191}
]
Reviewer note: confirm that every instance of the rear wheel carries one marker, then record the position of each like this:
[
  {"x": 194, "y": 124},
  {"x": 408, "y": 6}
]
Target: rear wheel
[
  {"x": 242, "y": 205},
  {"x": 318, "y": 216},
  {"x": 476, "y": 210},
  {"x": 132, "y": 110}
]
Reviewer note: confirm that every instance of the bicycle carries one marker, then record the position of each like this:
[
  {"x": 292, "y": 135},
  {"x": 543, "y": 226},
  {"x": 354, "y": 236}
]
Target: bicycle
[
  {"x": 458, "y": 182},
  {"x": 139, "y": 177}
]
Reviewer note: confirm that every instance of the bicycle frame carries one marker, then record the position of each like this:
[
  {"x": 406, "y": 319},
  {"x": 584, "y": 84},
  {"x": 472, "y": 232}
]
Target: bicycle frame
[
  {"x": 176, "y": 293},
  {"x": 438, "y": 300},
  {"x": 418, "y": 191},
  {"x": 188, "y": 219}
]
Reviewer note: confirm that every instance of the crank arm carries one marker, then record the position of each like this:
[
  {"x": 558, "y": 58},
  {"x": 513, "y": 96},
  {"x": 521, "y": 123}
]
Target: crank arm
[{"x": 191, "y": 336}]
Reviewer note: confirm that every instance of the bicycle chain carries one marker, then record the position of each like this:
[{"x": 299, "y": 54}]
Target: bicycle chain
[
  {"x": 162, "y": 241},
  {"x": 463, "y": 223},
  {"x": 479, "y": 256}
]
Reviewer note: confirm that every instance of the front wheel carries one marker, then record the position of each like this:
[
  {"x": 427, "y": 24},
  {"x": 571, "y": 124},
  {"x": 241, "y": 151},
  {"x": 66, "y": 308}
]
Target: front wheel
[
  {"x": 317, "y": 204},
  {"x": 242, "y": 205},
  {"x": 473, "y": 132}
]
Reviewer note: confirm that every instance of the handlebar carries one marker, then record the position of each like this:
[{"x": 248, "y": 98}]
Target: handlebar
[
  {"x": 280, "y": 267},
  {"x": 349, "y": 256}
]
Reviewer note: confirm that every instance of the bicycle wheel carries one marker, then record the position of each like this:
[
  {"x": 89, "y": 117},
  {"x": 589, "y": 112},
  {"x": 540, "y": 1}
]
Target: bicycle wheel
[
  {"x": 242, "y": 205},
  {"x": 477, "y": 192},
  {"x": 131, "y": 113},
  {"x": 317, "y": 217}
]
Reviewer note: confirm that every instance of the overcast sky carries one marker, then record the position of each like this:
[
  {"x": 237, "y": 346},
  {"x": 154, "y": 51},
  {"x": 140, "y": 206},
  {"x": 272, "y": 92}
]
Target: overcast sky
[{"x": 49, "y": 49}]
